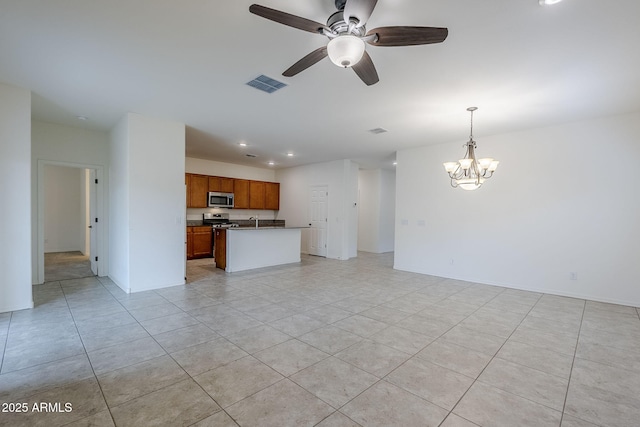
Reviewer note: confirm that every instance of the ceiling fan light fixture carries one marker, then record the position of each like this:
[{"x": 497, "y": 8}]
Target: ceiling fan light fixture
[{"x": 345, "y": 51}]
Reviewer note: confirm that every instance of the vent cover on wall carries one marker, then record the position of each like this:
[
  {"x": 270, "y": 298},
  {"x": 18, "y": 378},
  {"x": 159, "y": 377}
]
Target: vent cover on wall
[
  {"x": 266, "y": 84},
  {"x": 378, "y": 130}
]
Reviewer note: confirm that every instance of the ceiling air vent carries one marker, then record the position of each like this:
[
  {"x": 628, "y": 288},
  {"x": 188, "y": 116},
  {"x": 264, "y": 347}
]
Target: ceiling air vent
[
  {"x": 377, "y": 131},
  {"x": 266, "y": 84},
  {"x": 251, "y": 155}
]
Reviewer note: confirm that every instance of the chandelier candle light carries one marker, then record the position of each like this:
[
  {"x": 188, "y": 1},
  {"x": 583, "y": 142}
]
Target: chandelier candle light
[{"x": 470, "y": 173}]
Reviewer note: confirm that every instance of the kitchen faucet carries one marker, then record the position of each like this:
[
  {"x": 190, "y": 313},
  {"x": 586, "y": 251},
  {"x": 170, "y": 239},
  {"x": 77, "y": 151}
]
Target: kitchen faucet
[{"x": 256, "y": 218}]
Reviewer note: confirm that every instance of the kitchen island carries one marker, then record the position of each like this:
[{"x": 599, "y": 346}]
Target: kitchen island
[{"x": 249, "y": 247}]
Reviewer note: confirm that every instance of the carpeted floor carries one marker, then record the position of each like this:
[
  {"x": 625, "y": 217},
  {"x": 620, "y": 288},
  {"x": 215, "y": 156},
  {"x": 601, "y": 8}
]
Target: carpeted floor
[{"x": 66, "y": 265}]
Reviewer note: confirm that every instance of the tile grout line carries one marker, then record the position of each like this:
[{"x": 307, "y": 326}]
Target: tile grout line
[
  {"x": 566, "y": 395},
  {"x": 4, "y": 344},
  {"x": 493, "y": 357},
  {"x": 104, "y": 399},
  {"x": 380, "y": 379}
]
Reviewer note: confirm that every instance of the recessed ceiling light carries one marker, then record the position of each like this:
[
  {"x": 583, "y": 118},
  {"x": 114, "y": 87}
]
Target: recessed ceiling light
[
  {"x": 83, "y": 118},
  {"x": 271, "y": 163},
  {"x": 289, "y": 154},
  {"x": 548, "y": 2},
  {"x": 395, "y": 163},
  {"x": 243, "y": 144}
]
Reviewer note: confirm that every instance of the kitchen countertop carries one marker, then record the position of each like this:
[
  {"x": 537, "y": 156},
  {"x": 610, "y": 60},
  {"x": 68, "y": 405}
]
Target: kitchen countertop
[
  {"x": 243, "y": 223},
  {"x": 267, "y": 227}
]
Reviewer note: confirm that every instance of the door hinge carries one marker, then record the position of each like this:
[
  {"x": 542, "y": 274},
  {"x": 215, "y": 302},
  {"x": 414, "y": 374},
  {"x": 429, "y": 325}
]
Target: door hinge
[
  {"x": 96, "y": 219},
  {"x": 96, "y": 180},
  {"x": 96, "y": 258}
]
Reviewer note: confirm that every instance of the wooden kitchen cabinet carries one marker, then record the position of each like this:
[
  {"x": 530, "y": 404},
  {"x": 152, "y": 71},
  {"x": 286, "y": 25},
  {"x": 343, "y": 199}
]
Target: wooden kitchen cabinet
[
  {"x": 256, "y": 195},
  {"x": 221, "y": 247},
  {"x": 202, "y": 238},
  {"x": 189, "y": 242},
  {"x": 197, "y": 189},
  {"x": 272, "y": 196},
  {"x": 248, "y": 194},
  {"x": 241, "y": 193},
  {"x": 221, "y": 184}
]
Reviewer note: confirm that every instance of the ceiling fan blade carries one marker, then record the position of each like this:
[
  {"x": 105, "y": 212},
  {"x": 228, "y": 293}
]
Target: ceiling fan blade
[
  {"x": 360, "y": 10},
  {"x": 366, "y": 70},
  {"x": 287, "y": 19},
  {"x": 407, "y": 36},
  {"x": 306, "y": 62}
]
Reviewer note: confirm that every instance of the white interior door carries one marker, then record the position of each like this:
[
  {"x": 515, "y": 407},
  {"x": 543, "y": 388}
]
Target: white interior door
[
  {"x": 318, "y": 211},
  {"x": 93, "y": 225}
]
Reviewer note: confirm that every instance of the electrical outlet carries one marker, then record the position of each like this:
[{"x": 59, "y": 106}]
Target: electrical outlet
[
  {"x": 404, "y": 222},
  {"x": 573, "y": 275}
]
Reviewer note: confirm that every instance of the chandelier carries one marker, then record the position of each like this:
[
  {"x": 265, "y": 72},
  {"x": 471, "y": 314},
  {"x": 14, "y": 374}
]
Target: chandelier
[{"x": 470, "y": 173}]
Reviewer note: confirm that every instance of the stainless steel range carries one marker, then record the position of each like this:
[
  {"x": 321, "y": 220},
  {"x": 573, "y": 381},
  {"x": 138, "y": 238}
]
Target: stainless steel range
[{"x": 218, "y": 220}]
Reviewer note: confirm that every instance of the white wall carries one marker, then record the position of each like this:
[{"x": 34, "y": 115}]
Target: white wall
[
  {"x": 229, "y": 170},
  {"x": 210, "y": 167},
  {"x": 148, "y": 202},
  {"x": 387, "y": 211},
  {"x": 64, "y": 222},
  {"x": 15, "y": 188},
  {"x": 85, "y": 213},
  {"x": 376, "y": 211},
  {"x": 561, "y": 201},
  {"x": 53, "y": 144},
  {"x": 341, "y": 177}
]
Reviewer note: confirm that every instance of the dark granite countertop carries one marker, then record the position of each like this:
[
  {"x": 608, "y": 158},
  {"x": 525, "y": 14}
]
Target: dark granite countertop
[{"x": 244, "y": 223}]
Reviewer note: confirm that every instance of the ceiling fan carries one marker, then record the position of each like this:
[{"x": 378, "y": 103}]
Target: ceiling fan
[{"x": 347, "y": 36}]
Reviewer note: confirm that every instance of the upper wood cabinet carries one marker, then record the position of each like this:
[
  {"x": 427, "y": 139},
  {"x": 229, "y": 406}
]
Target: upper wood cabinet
[
  {"x": 248, "y": 194},
  {"x": 197, "y": 188},
  {"x": 272, "y": 196},
  {"x": 241, "y": 193},
  {"x": 256, "y": 195},
  {"x": 221, "y": 184}
]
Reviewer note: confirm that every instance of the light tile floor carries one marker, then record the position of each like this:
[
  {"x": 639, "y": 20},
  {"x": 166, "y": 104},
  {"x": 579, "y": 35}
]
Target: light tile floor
[{"x": 320, "y": 343}]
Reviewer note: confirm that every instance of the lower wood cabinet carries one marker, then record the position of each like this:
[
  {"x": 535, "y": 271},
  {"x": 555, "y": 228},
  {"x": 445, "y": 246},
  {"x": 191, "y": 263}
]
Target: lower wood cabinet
[
  {"x": 189, "y": 242},
  {"x": 221, "y": 247},
  {"x": 199, "y": 242}
]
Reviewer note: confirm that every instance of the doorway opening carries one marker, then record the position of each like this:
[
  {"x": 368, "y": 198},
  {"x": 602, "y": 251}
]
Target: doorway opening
[
  {"x": 66, "y": 265},
  {"x": 69, "y": 209}
]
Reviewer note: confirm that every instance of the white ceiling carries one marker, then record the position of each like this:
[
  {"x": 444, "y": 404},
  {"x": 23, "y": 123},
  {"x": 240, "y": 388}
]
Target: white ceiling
[{"x": 522, "y": 64}]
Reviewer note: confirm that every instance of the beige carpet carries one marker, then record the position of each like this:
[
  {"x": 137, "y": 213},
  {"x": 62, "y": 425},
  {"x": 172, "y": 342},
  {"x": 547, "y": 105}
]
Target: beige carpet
[{"x": 66, "y": 265}]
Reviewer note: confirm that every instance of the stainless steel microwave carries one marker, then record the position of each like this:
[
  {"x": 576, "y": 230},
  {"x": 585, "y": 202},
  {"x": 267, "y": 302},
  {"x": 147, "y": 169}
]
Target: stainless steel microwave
[{"x": 220, "y": 200}]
